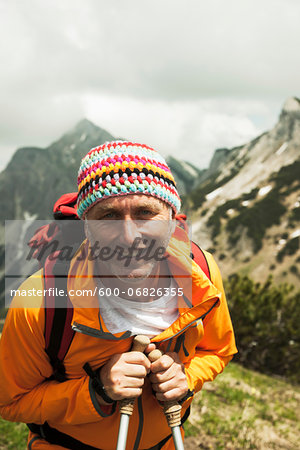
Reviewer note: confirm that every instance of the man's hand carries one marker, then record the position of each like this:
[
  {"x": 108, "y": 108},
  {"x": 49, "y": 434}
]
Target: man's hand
[
  {"x": 168, "y": 378},
  {"x": 124, "y": 374}
]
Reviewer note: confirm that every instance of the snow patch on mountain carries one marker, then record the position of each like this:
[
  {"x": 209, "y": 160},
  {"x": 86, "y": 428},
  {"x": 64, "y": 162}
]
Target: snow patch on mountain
[
  {"x": 295, "y": 234},
  {"x": 264, "y": 190},
  {"x": 213, "y": 194},
  {"x": 282, "y": 148}
]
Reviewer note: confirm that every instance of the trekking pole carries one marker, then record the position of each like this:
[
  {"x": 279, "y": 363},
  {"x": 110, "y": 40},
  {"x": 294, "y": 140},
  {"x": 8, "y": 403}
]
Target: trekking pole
[
  {"x": 140, "y": 342},
  {"x": 172, "y": 410}
]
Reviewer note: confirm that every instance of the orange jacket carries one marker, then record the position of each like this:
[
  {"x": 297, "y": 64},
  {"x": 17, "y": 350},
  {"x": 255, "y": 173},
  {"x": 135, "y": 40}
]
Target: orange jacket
[{"x": 205, "y": 347}]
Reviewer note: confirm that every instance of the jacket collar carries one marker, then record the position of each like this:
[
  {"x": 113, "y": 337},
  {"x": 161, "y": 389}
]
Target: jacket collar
[{"x": 200, "y": 295}]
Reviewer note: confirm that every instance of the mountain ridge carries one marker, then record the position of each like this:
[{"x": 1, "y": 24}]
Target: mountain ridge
[{"x": 246, "y": 208}]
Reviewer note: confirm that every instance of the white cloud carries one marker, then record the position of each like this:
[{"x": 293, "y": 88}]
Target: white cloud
[
  {"x": 170, "y": 49},
  {"x": 183, "y": 74},
  {"x": 188, "y": 130}
]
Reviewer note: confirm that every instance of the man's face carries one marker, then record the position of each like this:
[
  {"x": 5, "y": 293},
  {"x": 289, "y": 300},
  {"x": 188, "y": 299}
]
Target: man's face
[{"x": 130, "y": 226}]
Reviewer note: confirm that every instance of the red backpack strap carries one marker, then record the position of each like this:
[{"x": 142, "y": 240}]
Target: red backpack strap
[
  {"x": 196, "y": 252},
  {"x": 58, "y": 331},
  {"x": 200, "y": 258},
  {"x": 58, "y": 309}
]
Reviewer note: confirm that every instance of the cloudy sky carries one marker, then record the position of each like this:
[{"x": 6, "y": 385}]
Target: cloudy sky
[{"x": 186, "y": 76}]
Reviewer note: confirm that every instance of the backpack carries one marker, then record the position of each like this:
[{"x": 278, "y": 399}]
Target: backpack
[{"x": 58, "y": 332}]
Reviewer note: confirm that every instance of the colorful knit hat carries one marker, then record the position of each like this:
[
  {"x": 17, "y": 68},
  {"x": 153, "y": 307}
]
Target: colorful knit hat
[{"x": 122, "y": 168}]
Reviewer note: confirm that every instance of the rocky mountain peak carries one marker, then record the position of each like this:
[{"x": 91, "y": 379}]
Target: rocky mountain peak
[
  {"x": 85, "y": 125},
  {"x": 288, "y": 126},
  {"x": 291, "y": 105}
]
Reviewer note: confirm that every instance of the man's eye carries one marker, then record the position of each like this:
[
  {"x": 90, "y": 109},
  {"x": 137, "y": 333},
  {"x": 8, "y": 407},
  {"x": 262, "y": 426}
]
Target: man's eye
[
  {"x": 111, "y": 215},
  {"x": 146, "y": 212}
]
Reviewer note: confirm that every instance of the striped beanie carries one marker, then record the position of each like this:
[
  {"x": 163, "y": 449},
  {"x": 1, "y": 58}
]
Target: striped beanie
[{"x": 122, "y": 168}]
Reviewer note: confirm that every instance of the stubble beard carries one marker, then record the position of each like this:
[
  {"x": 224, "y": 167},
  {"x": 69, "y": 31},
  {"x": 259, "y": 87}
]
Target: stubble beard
[{"x": 135, "y": 275}]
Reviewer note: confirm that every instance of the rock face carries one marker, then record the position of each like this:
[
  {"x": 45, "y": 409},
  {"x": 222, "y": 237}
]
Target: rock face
[{"x": 246, "y": 208}]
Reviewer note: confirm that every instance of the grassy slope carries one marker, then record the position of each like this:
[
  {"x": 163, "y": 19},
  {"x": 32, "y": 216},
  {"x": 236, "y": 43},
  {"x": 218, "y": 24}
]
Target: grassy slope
[
  {"x": 241, "y": 409},
  {"x": 13, "y": 436}
]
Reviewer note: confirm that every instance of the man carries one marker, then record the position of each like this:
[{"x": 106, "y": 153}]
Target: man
[{"x": 128, "y": 200}]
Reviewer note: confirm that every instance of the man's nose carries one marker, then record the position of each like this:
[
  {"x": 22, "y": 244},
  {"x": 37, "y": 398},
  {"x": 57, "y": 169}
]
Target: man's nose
[{"x": 131, "y": 231}]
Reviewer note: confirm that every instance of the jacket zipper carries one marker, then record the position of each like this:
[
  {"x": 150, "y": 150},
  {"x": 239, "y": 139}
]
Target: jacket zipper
[
  {"x": 106, "y": 335},
  {"x": 190, "y": 324}
]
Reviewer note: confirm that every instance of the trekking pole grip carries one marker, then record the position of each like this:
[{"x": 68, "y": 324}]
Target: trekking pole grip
[
  {"x": 139, "y": 344},
  {"x": 172, "y": 409}
]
